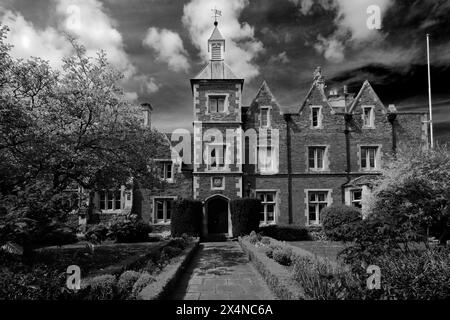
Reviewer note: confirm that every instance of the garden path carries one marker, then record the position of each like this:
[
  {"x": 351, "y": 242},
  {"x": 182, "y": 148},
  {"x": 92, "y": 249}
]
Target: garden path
[{"x": 222, "y": 271}]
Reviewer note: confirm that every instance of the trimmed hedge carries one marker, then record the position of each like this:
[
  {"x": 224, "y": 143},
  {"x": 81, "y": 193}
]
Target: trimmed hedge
[
  {"x": 245, "y": 215},
  {"x": 339, "y": 222},
  {"x": 129, "y": 231},
  {"x": 187, "y": 218},
  {"x": 286, "y": 232}
]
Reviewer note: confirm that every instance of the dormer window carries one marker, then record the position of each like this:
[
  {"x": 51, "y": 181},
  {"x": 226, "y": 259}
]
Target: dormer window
[
  {"x": 316, "y": 117},
  {"x": 265, "y": 117},
  {"x": 368, "y": 117},
  {"x": 216, "y": 104}
]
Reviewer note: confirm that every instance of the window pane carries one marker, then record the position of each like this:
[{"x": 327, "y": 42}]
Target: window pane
[
  {"x": 102, "y": 200},
  {"x": 264, "y": 117},
  {"x": 261, "y": 216},
  {"x": 212, "y": 105},
  {"x": 320, "y": 152},
  {"x": 221, "y": 105},
  {"x": 321, "y": 196},
  {"x": 356, "y": 194},
  {"x": 110, "y": 200},
  {"x": 261, "y": 196},
  {"x": 372, "y": 157},
  {"x": 312, "y": 213},
  {"x": 159, "y": 209},
  {"x": 168, "y": 171},
  {"x": 169, "y": 209},
  {"x": 363, "y": 157},
  {"x": 269, "y": 197},
  {"x": 315, "y": 117},
  {"x": 117, "y": 200},
  {"x": 312, "y": 197},
  {"x": 311, "y": 157},
  {"x": 270, "y": 212}
]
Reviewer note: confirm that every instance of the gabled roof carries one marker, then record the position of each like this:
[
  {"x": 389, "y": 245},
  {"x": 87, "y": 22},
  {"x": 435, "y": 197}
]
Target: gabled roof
[
  {"x": 216, "y": 70},
  {"x": 216, "y": 35},
  {"x": 319, "y": 84},
  {"x": 264, "y": 89},
  {"x": 366, "y": 86}
]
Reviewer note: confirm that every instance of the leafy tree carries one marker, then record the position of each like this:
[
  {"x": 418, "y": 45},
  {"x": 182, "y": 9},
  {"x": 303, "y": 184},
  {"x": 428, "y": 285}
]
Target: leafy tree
[{"x": 67, "y": 127}]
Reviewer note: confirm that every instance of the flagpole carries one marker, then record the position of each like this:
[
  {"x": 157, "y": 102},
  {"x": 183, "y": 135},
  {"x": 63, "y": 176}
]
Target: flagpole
[{"x": 429, "y": 93}]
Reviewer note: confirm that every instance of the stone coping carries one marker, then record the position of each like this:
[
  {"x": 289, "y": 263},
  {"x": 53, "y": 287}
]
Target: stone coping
[
  {"x": 166, "y": 281},
  {"x": 277, "y": 277}
]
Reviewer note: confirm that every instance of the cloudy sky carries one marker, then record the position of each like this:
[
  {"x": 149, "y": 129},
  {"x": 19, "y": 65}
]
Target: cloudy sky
[{"x": 160, "y": 44}]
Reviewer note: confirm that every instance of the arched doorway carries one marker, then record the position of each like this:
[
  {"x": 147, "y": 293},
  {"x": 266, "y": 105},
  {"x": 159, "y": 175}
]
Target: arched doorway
[{"x": 217, "y": 215}]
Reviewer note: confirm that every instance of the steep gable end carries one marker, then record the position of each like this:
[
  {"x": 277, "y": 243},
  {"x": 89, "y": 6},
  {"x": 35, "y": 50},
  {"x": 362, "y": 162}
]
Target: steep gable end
[
  {"x": 264, "y": 96},
  {"x": 367, "y": 96},
  {"x": 316, "y": 94}
]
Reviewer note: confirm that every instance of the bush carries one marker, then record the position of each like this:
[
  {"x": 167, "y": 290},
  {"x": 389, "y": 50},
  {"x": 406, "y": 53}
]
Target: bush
[
  {"x": 245, "y": 215},
  {"x": 126, "y": 282},
  {"x": 254, "y": 237},
  {"x": 97, "y": 232},
  {"x": 286, "y": 232},
  {"x": 178, "y": 242},
  {"x": 187, "y": 218},
  {"x": 170, "y": 252},
  {"x": 102, "y": 287},
  {"x": 282, "y": 256},
  {"x": 265, "y": 241},
  {"x": 129, "y": 231},
  {"x": 323, "y": 281},
  {"x": 144, "y": 280},
  {"x": 339, "y": 222}
]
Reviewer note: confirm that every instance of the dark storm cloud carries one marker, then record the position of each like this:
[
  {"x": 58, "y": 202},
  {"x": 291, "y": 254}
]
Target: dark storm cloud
[{"x": 394, "y": 62}]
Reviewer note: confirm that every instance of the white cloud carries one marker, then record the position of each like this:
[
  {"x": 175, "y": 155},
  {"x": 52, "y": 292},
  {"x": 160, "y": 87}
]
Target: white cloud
[
  {"x": 169, "y": 48},
  {"x": 351, "y": 25},
  {"x": 281, "y": 57},
  {"x": 87, "y": 21},
  {"x": 241, "y": 45}
]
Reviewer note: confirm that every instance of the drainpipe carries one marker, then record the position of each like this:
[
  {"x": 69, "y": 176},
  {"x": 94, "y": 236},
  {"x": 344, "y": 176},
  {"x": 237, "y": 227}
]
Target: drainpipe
[
  {"x": 348, "y": 118},
  {"x": 287, "y": 118}
]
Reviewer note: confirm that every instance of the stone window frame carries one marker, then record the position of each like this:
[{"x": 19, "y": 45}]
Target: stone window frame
[
  {"x": 269, "y": 116},
  {"x": 352, "y": 201},
  {"x": 274, "y": 168},
  {"x": 164, "y": 162},
  {"x": 378, "y": 157},
  {"x": 326, "y": 158},
  {"x": 372, "y": 116},
  {"x": 329, "y": 199},
  {"x": 165, "y": 221},
  {"x": 218, "y": 188},
  {"x": 97, "y": 201},
  {"x": 276, "y": 209},
  {"x": 226, "y": 166},
  {"x": 225, "y": 104},
  {"x": 319, "y": 119}
]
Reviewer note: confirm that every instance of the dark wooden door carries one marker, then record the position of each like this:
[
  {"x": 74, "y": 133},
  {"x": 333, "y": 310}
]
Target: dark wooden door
[{"x": 218, "y": 216}]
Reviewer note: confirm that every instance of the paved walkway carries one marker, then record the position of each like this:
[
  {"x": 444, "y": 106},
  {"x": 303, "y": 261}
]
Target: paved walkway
[{"x": 221, "y": 271}]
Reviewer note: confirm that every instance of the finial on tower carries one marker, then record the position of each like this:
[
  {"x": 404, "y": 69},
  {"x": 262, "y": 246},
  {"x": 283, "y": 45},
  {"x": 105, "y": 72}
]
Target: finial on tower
[
  {"x": 317, "y": 76},
  {"x": 216, "y": 14}
]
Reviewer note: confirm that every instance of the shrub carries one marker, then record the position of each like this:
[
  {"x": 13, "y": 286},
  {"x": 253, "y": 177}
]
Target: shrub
[
  {"x": 144, "y": 280},
  {"x": 265, "y": 241},
  {"x": 126, "y": 282},
  {"x": 187, "y": 218},
  {"x": 102, "y": 287},
  {"x": 129, "y": 231},
  {"x": 286, "y": 232},
  {"x": 323, "y": 281},
  {"x": 253, "y": 238},
  {"x": 282, "y": 256},
  {"x": 178, "y": 242},
  {"x": 245, "y": 215},
  {"x": 170, "y": 252},
  {"x": 97, "y": 232},
  {"x": 339, "y": 222}
]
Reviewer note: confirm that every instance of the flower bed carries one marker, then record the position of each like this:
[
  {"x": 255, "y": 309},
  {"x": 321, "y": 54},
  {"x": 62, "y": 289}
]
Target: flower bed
[{"x": 43, "y": 276}]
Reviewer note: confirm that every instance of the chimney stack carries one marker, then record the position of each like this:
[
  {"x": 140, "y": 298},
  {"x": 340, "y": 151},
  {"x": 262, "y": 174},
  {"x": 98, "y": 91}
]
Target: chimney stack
[{"x": 147, "y": 114}]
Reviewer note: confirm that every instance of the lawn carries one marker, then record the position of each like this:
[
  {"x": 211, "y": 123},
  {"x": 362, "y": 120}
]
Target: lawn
[
  {"x": 326, "y": 249},
  {"x": 102, "y": 256}
]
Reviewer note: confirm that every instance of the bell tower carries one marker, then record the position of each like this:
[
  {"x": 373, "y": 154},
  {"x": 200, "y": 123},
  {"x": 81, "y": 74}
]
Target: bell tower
[{"x": 217, "y": 103}]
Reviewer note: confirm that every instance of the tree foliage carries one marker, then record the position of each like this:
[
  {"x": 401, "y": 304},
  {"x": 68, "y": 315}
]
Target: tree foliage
[{"x": 67, "y": 127}]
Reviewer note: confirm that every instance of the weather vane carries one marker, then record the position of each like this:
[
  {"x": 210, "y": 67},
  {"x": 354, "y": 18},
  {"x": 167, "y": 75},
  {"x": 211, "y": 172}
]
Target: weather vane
[{"x": 217, "y": 13}]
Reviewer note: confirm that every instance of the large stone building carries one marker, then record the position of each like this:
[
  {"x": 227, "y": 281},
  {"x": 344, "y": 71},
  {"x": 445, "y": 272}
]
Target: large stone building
[{"x": 326, "y": 152}]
